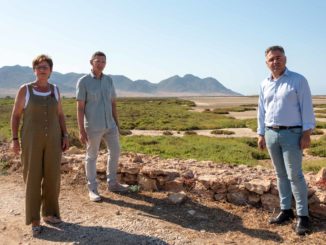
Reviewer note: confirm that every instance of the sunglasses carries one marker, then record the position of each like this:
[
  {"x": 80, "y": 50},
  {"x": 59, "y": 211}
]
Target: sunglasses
[{"x": 42, "y": 67}]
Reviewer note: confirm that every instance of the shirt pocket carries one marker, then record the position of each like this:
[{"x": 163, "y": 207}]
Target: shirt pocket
[{"x": 93, "y": 96}]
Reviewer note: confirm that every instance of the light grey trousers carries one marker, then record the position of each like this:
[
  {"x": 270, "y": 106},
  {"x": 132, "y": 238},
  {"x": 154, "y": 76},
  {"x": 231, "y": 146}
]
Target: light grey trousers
[{"x": 111, "y": 138}]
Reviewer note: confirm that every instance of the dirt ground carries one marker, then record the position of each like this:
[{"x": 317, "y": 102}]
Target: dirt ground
[{"x": 142, "y": 218}]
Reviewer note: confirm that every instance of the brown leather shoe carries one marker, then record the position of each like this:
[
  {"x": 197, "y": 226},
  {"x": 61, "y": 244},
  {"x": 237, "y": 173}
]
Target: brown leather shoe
[{"x": 282, "y": 217}]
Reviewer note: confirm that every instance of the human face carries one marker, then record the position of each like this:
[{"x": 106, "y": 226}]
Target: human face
[
  {"x": 98, "y": 64},
  {"x": 276, "y": 62},
  {"x": 42, "y": 71}
]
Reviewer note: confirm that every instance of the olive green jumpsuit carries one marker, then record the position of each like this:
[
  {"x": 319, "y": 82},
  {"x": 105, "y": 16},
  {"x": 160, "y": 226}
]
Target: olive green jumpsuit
[{"x": 41, "y": 155}]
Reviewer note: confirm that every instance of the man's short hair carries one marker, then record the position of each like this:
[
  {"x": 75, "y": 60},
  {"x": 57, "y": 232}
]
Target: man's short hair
[
  {"x": 97, "y": 53},
  {"x": 40, "y": 58},
  {"x": 274, "y": 48}
]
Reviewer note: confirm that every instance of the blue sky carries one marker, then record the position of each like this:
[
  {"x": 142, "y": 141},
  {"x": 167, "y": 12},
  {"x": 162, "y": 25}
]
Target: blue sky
[{"x": 154, "y": 40}]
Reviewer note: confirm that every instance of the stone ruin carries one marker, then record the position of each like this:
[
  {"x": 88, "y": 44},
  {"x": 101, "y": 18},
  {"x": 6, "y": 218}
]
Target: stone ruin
[{"x": 237, "y": 184}]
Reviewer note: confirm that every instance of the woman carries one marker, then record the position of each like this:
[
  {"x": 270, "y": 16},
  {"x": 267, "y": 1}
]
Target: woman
[{"x": 43, "y": 138}]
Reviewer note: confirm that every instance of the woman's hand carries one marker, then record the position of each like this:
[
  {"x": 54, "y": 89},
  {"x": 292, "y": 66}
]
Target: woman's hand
[
  {"x": 65, "y": 143},
  {"x": 15, "y": 146}
]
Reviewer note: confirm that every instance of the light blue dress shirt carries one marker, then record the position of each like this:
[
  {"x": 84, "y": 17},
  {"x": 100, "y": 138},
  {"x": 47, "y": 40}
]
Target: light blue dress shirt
[
  {"x": 98, "y": 95},
  {"x": 285, "y": 101}
]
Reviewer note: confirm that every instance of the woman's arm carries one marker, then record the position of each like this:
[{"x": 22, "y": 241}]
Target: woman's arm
[{"x": 15, "y": 117}]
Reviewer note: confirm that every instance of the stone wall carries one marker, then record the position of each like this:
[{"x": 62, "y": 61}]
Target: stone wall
[{"x": 240, "y": 185}]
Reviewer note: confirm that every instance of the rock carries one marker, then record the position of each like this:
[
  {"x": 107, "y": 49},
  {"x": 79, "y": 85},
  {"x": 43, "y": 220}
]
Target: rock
[
  {"x": 168, "y": 176},
  {"x": 313, "y": 199},
  {"x": 270, "y": 202},
  {"x": 321, "y": 176},
  {"x": 177, "y": 198},
  {"x": 258, "y": 186},
  {"x": 101, "y": 167},
  {"x": 321, "y": 195},
  {"x": 151, "y": 171},
  {"x": 311, "y": 191},
  {"x": 236, "y": 188},
  {"x": 274, "y": 189},
  {"x": 220, "y": 197},
  {"x": 130, "y": 168},
  {"x": 238, "y": 198},
  {"x": 318, "y": 210},
  {"x": 136, "y": 159},
  {"x": 73, "y": 150},
  {"x": 254, "y": 199},
  {"x": 207, "y": 180},
  {"x": 191, "y": 212},
  {"x": 147, "y": 184},
  {"x": 130, "y": 179},
  {"x": 188, "y": 174},
  {"x": 219, "y": 186},
  {"x": 64, "y": 160},
  {"x": 66, "y": 168},
  {"x": 230, "y": 180},
  {"x": 174, "y": 185}
]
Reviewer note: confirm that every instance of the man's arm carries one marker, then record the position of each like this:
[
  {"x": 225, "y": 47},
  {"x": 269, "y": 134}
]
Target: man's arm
[
  {"x": 62, "y": 122},
  {"x": 307, "y": 113},
  {"x": 115, "y": 113},
  {"x": 261, "y": 121},
  {"x": 80, "y": 118}
]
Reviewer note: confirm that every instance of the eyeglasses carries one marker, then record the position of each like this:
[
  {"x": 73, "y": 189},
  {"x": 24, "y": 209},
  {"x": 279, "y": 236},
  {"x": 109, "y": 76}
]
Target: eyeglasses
[{"x": 42, "y": 67}]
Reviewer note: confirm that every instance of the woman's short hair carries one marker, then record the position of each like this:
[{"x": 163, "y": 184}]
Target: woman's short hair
[{"x": 40, "y": 58}]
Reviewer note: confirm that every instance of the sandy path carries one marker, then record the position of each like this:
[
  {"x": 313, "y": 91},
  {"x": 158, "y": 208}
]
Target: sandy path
[{"x": 144, "y": 218}]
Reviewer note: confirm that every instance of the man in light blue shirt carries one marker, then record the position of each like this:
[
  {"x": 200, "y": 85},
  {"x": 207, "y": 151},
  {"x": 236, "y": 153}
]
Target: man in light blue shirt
[
  {"x": 98, "y": 119},
  {"x": 285, "y": 122}
]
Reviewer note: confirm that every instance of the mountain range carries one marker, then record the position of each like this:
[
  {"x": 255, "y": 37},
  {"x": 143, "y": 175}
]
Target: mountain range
[{"x": 11, "y": 77}]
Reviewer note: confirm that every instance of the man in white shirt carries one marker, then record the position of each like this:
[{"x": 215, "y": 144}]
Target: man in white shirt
[{"x": 285, "y": 122}]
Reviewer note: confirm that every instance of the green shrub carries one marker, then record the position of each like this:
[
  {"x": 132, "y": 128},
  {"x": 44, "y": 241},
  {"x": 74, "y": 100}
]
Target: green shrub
[
  {"x": 221, "y": 131},
  {"x": 190, "y": 133},
  {"x": 167, "y": 133}
]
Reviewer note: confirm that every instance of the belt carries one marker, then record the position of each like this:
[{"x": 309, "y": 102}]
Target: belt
[{"x": 283, "y": 127}]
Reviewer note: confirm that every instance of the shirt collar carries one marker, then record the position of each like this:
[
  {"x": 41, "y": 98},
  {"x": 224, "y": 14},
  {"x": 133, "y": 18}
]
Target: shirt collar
[
  {"x": 93, "y": 75},
  {"x": 286, "y": 73}
]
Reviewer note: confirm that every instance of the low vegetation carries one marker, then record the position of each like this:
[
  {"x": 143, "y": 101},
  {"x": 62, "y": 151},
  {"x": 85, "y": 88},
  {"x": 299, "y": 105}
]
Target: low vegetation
[
  {"x": 318, "y": 147},
  {"x": 221, "y": 131},
  {"x": 176, "y": 115},
  {"x": 225, "y": 150},
  {"x": 226, "y": 110}
]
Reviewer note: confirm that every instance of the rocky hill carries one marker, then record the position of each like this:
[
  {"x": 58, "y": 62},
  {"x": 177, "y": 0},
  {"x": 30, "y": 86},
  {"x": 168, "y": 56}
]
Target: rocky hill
[{"x": 11, "y": 77}]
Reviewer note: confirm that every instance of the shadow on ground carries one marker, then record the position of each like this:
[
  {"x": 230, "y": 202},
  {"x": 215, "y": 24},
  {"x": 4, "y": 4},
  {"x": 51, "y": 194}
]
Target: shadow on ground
[
  {"x": 214, "y": 220},
  {"x": 90, "y": 235}
]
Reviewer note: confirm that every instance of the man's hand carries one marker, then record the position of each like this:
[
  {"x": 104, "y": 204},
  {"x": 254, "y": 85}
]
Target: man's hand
[
  {"x": 261, "y": 142},
  {"x": 83, "y": 136},
  {"x": 305, "y": 139},
  {"x": 15, "y": 146}
]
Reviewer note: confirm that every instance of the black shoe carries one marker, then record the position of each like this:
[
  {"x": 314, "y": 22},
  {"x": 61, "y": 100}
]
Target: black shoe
[
  {"x": 283, "y": 216},
  {"x": 303, "y": 226}
]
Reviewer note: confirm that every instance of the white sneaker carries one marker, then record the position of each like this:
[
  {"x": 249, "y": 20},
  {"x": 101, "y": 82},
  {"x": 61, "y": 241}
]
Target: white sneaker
[{"x": 94, "y": 196}]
